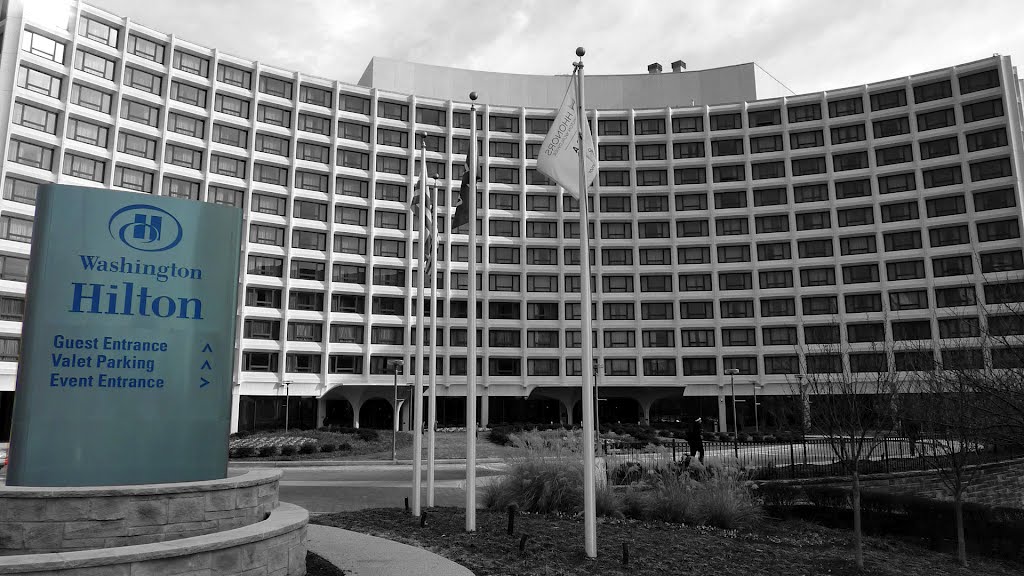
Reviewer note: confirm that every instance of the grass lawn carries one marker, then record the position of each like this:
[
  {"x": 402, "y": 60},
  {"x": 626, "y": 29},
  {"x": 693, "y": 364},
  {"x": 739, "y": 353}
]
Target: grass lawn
[
  {"x": 554, "y": 547},
  {"x": 448, "y": 445}
]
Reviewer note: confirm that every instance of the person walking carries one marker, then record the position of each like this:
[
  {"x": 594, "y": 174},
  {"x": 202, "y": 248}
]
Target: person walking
[{"x": 695, "y": 438}]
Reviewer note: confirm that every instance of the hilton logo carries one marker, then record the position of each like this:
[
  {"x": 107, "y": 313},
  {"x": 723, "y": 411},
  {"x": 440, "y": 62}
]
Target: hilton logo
[{"x": 145, "y": 228}]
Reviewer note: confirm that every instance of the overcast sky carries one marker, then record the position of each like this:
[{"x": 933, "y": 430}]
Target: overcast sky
[{"x": 808, "y": 45}]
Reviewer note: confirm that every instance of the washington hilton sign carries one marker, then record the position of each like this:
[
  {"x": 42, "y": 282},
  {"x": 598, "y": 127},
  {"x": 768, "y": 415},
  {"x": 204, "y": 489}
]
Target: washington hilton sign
[{"x": 125, "y": 373}]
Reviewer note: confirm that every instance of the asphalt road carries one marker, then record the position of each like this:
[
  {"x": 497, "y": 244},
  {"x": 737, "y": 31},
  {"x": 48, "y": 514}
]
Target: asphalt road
[{"x": 339, "y": 488}]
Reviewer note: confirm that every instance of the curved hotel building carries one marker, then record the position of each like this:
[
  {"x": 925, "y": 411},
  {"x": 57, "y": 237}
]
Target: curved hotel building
[{"x": 856, "y": 230}]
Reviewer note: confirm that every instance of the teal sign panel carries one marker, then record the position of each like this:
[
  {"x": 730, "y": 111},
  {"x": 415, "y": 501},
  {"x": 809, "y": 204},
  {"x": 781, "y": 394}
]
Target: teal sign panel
[{"x": 128, "y": 340}]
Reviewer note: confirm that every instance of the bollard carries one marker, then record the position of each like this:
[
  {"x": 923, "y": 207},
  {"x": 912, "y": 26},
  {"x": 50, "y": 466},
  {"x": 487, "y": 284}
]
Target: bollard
[
  {"x": 423, "y": 519},
  {"x": 511, "y": 519},
  {"x": 406, "y": 504},
  {"x": 522, "y": 543},
  {"x": 625, "y": 554}
]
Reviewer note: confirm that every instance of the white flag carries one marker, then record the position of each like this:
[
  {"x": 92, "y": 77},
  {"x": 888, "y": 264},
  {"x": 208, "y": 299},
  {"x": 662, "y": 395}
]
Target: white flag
[{"x": 559, "y": 154}]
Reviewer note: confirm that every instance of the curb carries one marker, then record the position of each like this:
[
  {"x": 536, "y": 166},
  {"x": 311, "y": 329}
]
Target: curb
[{"x": 339, "y": 463}]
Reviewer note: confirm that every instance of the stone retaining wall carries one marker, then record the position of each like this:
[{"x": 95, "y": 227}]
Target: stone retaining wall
[
  {"x": 38, "y": 520},
  {"x": 274, "y": 547}
]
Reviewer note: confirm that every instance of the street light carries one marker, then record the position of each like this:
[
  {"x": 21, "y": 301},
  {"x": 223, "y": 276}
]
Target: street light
[
  {"x": 757, "y": 425},
  {"x": 732, "y": 372},
  {"x": 286, "y": 403},
  {"x": 597, "y": 400},
  {"x": 397, "y": 364}
]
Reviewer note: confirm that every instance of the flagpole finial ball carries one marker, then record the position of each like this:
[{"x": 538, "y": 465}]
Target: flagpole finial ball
[
  {"x": 581, "y": 51},
  {"x": 472, "y": 96}
]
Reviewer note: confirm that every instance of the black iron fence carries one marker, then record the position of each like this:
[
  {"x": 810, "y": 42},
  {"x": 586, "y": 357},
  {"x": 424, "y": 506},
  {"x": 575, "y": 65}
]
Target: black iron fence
[{"x": 807, "y": 458}]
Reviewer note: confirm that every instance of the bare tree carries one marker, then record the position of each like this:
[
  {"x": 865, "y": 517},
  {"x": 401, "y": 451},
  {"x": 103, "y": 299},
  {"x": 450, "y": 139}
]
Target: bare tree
[{"x": 854, "y": 399}]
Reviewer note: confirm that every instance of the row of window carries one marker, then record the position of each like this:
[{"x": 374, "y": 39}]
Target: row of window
[{"x": 855, "y": 362}]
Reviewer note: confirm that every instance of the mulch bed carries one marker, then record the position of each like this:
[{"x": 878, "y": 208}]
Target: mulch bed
[{"x": 554, "y": 547}]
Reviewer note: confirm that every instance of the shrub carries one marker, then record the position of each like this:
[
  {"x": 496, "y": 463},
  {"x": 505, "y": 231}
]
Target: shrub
[
  {"x": 825, "y": 496},
  {"x": 627, "y": 473},
  {"x": 267, "y": 451},
  {"x": 367, "y": 435},
  {"x": 244, "y": 452},
  {"x": 607, "y": 503},
  {"x": 728, "y": 503},
  {"x": 288, "y": 450},
  {"x": 344, "y": 447},
  {"x": 308, "y": 448},
  {"x": 327, "y": 447},
  {"x": 775, "y": 494},
  {"x": 499, "y": 435}
]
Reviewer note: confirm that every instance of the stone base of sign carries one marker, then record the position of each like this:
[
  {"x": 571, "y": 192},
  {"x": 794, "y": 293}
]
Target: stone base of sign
[{"x": 229, "y": 526}]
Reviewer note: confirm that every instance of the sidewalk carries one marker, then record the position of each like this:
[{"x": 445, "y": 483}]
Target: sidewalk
[
  {"x": 331, "y": 463},
  {"x": 362, "y": 555}
]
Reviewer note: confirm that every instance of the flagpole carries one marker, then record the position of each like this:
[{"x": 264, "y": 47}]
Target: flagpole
[
  {"x": 432, "y": 392},
  {"x": 471, "y": 330},
  {"x": 589, "y": 502},
  {"x": 417, "y": 395}
]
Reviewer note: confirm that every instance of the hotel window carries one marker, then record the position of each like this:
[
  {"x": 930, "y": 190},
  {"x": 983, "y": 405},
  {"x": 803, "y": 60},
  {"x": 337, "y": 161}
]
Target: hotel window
[
  {"x": 306, "y": 332},
  {"x": 815, "y": 248},
  {"x": 234, "y": 76},
  {"x": 504, "y": 124},
  {"x": 541, "y": 283},
  {"x": 267, "y": 235},
  {"x": 810, "y": 193},
  {"x": 770, "y": 251},
  {"x": 311, "y": 181},
  {"x": 652, "y": 203},
  {"x": 1007, "y": 325},
  {"x": 270, "y": 174},
  {"x": 852, "y": 245},
  {"x": 16, "y": 229},
  {"x": 700, "y": 366},
  {"x": 896, "y": 183},
  {"x": 771, "y": 307},
  {"x": 191, "y": 63},
  {"x": 990, "y": 169},
  {"x": 852, "y": 189},
  {"x": 860, "y": 274},
  {"x": 934, "y": 91},
  {"x": 538, "y": 125},
  {"x": 504, "y": 228},
  {"x": 94, "y": 64},
  {"x": 231, "y": 106},
  {"x": 816, "y": 305},
  {"x": 616, "y": 284},
  {"x": 656, "y": 283},
  {"x": 983, "y": 110},
  {"x": 821, "y": 334},
  {"x": 994, "y": 199},
  {"x": 179, "y": 188},
  {"x": 935, "y": 119},
  {"x": 389, "y": 248},
  {"x": 891, "y": 127},
  {"x": 868, "y": 362},
  {"x": 43, "y": 46},
  {"x": 431, "y": 116},
  {"x": 614, "y": 177},
  {"x": 436, "y": 143},
  {"x": 813, "y": 220},
  {"x": 739, "y": 337},
  {"x": 315, "y": 124},
  {"x": 499, "y": 175},
  {"x": 542, "y": 311},
  {"x": 850, "y": 161},
  {"x": 952, "y": 266},
  {"x": 265, "y": 266},
  {"x": 353, "y": 103},
  {"x": 618, "y": 311},
  {"x": 315, "y": 96},
  {"x": 959, "y": 327},
  {"x": 259, "y": 361},
  {"x": 39, "y": 82},
  {"x": 856, "y": 216},
  {"x": 302, "y": 363},
  {"x": 769, "y": 279},
  {"x": 612, "y": 128},
  {"x": 945, "y": 176},
  {"x": 354, "y": 159},
  {"x": 645, "y": 126},
  {"x": 846, "y": 107},
  {"x": 388, "y": 277},
  {"x": 29, "y": 154},
  {"x": 185, "y": 157},
  {"x": 504, "y": 367},
  {"x": 98, "y": 31},
  {"x": 943, "y": 147},
  {"x": 732, "y": 173},
  {"x": 20, "y": 190},
  {"x": 142, "y": 80},
  {"x": 695, "y": 282},
  {"x": 726, "y": 147},
  {"x": 691, "y": 228},
  {"x": 312, "y": 301},
  {"x": 394, "y": 138},
  {"x": 262, "y": 329},
  {"x": 905, "y": 270},
  {"x": 986, "y": 140},
  {"x": 900, "y": 211},
  {"x": 503, "y": 282},
  {"x": 955, "y": 296},
  {"x": 90, "y": 98},
  {"x": 894, "y": 155},
  {"x": 357, "y": 188},
  {"x": 735, "y": 281},
  {"x": 141, "y": 113},
  {"x": 690, "y": 175},
  {"x": 188, "y": 94},
  {"x": 733, "y": 254},
  {"x": 542, "y": 256},
  {"x": 696, "y": 310},
  {"x": 737, "y": 308},
  {"x": 187, "y": 125},
  {"x": 224, "y": 134},
  {"x": 909, "y": 240},
  {"x": 13, "y": 268},
  {"x": 847, "y": 134},
  {"x": 227, "y": 166},
  {"x": 650, "y": 152},
  {"x": 724, "y": 200},
  {"x": 391, "y": 165},
  {"x": 653, "y": 367},
  {"x": 83, "y": 167},
  {"x": 312, "y": 152},
  {"x": 777, "y": 336},
  {"x": 946, "y": 206},
  {"x": 653, "y": 230},
  {"x": 504, "y": 254},
  {"x": 656, "y": 311},
  {"x": 35, "y": 118},
  {"x": 688, "y": 150},
  {"x": 687, "y": 124},
  {"x": 781, "y": 365},
  {"x": 133, "y": 179},
  {"x": 274, "y": 116},
  {"x": 686, "y": 202},
  {"x": 619, "y": 339},
  {"x": 653, "y": 257},
  {"x": 979, "y": 81},
  {"x": 694, "y": 255},
  {"x": 226, "y": 196},
  {"x": 999, "y": 230},
  {"x": 806, "y": 166},
  {"x": 758, "y": 118},
  {"x": 805, "y": 113},
  {"x": 349, "y": 274},
  {"x": 886, "y": 100},
  {"x": 908, "y": 300},
  {"x": 809, "y": 139},
  {"x": 392, "y": 110},
  {"x": 726, "y": 122},
  {"x": 541, "y": 367},
  {"x": 616, "y": 230},
  {"x": 311, "y": 210}
]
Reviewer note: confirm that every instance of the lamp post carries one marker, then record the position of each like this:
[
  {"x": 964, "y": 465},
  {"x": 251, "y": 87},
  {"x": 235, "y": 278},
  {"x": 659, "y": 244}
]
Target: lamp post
[
  {"x": 732, "y": 372},
  {"x": 397, "y": 364},
  {"x": 757, "y": 425},
  {"x": 597, "y": 401},
  {"x": 287, "y": 403}
]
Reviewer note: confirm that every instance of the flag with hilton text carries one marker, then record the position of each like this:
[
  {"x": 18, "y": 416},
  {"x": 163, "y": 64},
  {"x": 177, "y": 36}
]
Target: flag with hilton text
[{"x": 559, "y": 157}]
